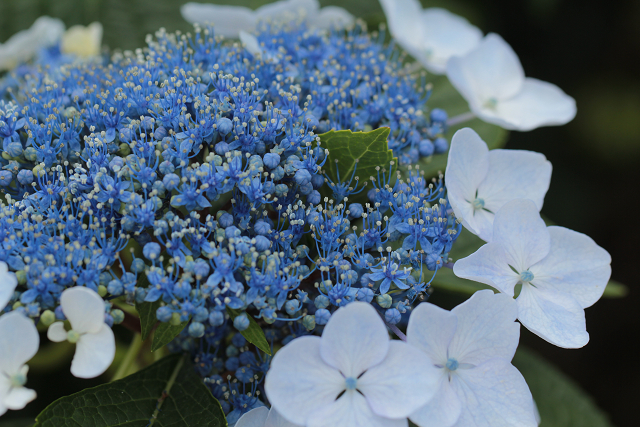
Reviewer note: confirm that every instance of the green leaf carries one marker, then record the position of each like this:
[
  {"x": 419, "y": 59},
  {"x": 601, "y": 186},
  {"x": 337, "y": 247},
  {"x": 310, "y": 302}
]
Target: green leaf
[
  {"x": 166, "y": 394},
  {"x": 615, "y": 290},
  {"x": 445, "y": 96},
  {"x": 560, "y": 401},
  {"x": 165, "y": 333},
  {"x": 146, "y": 311},
  {"x": 369, "y": 149},
  {"x": 254, "y": 333}
]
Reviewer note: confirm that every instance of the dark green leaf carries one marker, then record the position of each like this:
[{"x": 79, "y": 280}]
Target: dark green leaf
[
  {"x": 254, "y": 333},
  {"x": 560, "y": 401},
  {"x": 369, "y": 149},
  {"x": 165, "y": 333},
  {"x": 166, "y": 394},
  {"x": 445, "y": 96},
  {"x": 146, "y": 311}
]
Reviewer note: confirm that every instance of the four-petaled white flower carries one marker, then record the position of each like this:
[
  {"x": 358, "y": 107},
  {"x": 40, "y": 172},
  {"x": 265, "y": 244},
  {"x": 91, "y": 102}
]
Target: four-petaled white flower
[
  {"x": 8, "y": 283},
  {"x": 228, "y": 21},
  {"x": 352, "y": 376},
  {"x": 84, "y": 42},
  {"x": 432, "y": 35},
  {"x": 492, "y": 80},
  {"x": 95, "y": 343},
  {"x": 479, "y": 181},
  {"x": 562, "y": 272},
  {"x": 263, "y": 417},
  {"x": 24, "y": 45},
  {"x": 19, "y": 341},
  {"x": 472, "y": 347}
]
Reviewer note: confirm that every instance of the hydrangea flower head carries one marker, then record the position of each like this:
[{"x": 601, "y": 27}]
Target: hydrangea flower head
[
  {"x": 352, "y": 376},
  {"x": 480, "y": 181},
  {"x": 561, "y": 272},
  {"x": 492, "y": 80}
]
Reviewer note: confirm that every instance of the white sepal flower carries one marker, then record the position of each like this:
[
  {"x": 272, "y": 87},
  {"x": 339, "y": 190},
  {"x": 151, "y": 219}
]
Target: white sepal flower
[
  {"x": 263, "y": 417},
  {"x": 24, "y": 45},
  {"x": 479, "y": 182},
  {"x": 84, "y": 42},
  {"x": 95, "y": 343},
  {"x": 8, "y": 283},
  {"x": 432, "y": 35},
  {"x": 352, "y": 376},
  {"x": 562, "y": 272},
  {"x": 472, "y": 347},
  {"x": 19, "y": 342},
  {"x": 229, "y": 21},
  {"x": 492, "y": 80}
]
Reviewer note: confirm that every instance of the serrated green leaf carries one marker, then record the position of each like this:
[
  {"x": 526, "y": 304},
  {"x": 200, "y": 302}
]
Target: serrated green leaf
[
  {"x": 165, "y": 333},
  {"x": 445, "y": 96},
  {"x": 560, "y": 401},
  {"x": 369, "y": 149},
  {"x": 166, "y": 394},
  {"x": 254, "y": 333},
  {"x": 146, "y": 311}
]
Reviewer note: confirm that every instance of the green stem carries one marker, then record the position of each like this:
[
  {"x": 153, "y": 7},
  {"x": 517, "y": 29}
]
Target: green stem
[{"x": 129, "y": 358}]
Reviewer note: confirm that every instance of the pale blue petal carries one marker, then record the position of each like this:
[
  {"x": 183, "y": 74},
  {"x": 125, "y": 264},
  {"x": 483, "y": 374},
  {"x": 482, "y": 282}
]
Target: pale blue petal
[
  {"x": 441, "y": 411},
  {"x": 430, "y": 329},
  {"x": 488, "y": 265},
  {"x": 351, "y": 410},
  {"x": 254, "y": 418}
]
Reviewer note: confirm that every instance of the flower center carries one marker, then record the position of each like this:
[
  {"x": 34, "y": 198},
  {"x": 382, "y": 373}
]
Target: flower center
[
  {"x": 452, "y": 364},
  {"x": 491, "y": 103},
  {"x": 351, "y": 383},
  {"x": 526, "y": 276},
  {"x": 73, "y": 336},
  {"x": 477, "y": 204},
  {"x": 18, "y": 380}
]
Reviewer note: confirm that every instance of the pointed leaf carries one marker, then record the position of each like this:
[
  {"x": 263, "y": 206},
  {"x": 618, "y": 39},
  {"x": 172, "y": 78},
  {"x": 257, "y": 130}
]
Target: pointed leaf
[
  {"x": 167, "y": 393},
  {"x": 146, "y": 311},
  {"x": 254, "y": 333},
  {"x": 165, "y": 333}
]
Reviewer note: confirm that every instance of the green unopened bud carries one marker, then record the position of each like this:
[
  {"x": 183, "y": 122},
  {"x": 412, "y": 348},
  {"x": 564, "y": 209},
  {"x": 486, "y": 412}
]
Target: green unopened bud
[
  {"x": 385, "y": 300},
  {"x": 30, "y": 154},
  {"x": 47, "y": 317},
  {"x": 175, "y": 319},
  {"x": 16, "y": 305},
  {"x": 73, "y": 336},
  {"x": 102, "y": 290},
  {"x": 118, "y": 316},
  {"x": 309, "y": 322},
  {"x": 21, "y": 275},
  {"x": 125, "y": 150}
]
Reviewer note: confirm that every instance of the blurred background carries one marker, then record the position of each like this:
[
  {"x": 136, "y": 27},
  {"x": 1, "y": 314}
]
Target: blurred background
[{"x": 591, "y": 49}]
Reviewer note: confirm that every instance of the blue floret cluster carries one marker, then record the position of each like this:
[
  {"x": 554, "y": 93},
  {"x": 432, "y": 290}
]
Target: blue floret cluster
[{"x": 188, "y": 177}]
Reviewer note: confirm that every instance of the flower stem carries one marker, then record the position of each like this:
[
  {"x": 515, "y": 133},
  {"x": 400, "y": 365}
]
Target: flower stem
[
  {"x": 461, "y": 118},
  {"x": 129, "y": 358},
  {"x": 397, "y": 331}
]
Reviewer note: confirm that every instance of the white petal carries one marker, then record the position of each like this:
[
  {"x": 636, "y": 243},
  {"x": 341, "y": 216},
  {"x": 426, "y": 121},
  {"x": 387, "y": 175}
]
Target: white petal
[
  {"x": 84, "y": 308},
  {"x": 513, "y": 174},
  {"x": 522, "y": 233},
  {"x": 404, "y": 381},
  {"x": 488, "y": 265},
  {"x": 18, "y": 398},
  {"x": 19, "y": 342},
  {"x": 250, "y": 43},
  {"x": 351, "y": 410},
  {"x": 286, "y": 10},
  {"x": 446, "y": 35},
  {"x": 23, "y": 45},
  {"x": 355, "y": 339},
  {"x": 467, "y": 166},
  {"x": 276, "y": 420},
  {"x": 300, "y": 382},
  {"x": 254, "y": 418},
  {"x": 83, "y": 41},
  {"x": 487, "y": 328},
  {"x": 430, "y": 329},
  {"x": 332, "y": 17},
  {"x": 8, "y": 283},
  {"x": 5, "y": 386},
  {"x": 494, "y": 394},
  {"x": 576, "y": 265},
  {"x": 94, "y": 353},
  {"x": 56, "y": 332},
  {"x": 404, "y": 20},
  {"x": 227, "y": 21},
  {"x": 441, "y": 411},
  {"x": 555, "y": 317},
  {"x": 537, "y": 104}
]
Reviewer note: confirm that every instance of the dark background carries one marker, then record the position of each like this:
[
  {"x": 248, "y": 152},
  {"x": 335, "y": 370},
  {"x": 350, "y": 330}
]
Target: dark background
[{"x": 591, "y": 49}]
